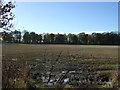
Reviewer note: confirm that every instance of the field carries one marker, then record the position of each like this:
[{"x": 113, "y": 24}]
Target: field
[{"x": 64, "y": 66}]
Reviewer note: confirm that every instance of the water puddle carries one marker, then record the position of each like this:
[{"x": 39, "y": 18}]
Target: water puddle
[
  {"x": 37, "y": 59},
  {"x": 14, "y": 59},
  {"x": 66, "y": 80}
]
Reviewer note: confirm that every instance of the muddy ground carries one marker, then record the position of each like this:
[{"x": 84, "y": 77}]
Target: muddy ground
[{"x": 63, "y": 66}]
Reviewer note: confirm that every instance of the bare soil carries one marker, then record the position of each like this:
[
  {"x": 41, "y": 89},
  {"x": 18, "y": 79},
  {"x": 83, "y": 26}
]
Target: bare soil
[{"x": 53, "y": 66}]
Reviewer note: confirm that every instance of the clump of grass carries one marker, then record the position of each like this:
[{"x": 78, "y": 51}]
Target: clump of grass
[{"x": 115, "y": 65}]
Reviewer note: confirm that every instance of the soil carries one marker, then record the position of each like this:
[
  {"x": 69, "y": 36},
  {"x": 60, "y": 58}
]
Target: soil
[{"x": 59, "y": 66}]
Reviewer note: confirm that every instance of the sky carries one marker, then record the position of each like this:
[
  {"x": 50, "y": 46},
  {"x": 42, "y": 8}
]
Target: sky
[
  {"x": 66, "y": 17},
  {"x": 65, "y": 0}
]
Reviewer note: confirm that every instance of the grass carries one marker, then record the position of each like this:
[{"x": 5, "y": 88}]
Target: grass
[{"x": 115, "y": 65}]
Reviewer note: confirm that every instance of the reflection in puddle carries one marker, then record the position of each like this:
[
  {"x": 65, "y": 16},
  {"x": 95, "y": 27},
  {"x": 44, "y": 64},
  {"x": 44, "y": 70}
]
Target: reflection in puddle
[{"x": 66, "y": 80}]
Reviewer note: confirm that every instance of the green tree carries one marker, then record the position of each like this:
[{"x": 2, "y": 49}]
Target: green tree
[
  {"x": 69, "y": 38},
  {"x": 10, "y": 37},
  {"x": 99, "y": 39},
  {"x": 51, "y": 37},
  {"x": 17, "y": 36},
  {"x": 72, "y": 38},
  {"x": 46, "y": 38},
  {"x": 118, "y": 38},
  {"x": 83, "y": 38},
  {"x": 4, "y": 36},
  {"x": 33, "y": 37},
  {"x": 60, "y": 38},
  {"x": 7, "y": 37},
  {"x": 39, "y": 38},
  {"x": 26, "y": 38}
]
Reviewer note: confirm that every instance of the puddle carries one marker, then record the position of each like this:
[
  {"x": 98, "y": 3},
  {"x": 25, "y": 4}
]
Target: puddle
[
  {"x": 71, "y": 71},
  {"x": 14, "y": 59},
  {"x": 44, "y": 79},
  {"x": 37, "y": 59},
  {"x": 88, "y": 59},
  {"x": 50, "y": 84},
  {"x": 51, "y": 80},
  {"x": 66, "y": 80},
  {"x": 63, "y": 72}
]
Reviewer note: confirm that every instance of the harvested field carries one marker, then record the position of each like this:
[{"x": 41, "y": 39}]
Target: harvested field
[{"x": 66, "y": 66}]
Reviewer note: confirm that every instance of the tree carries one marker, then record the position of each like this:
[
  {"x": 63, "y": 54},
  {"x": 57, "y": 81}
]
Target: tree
[
  {"x": 52, "y": 38},
  {"x": 17, "y": 36},
  {"x": 60, "y": 38},
  {"x": 72, "y": 38},
  {"x": 69, "y": 38},
  {"x": 118, "y": 38},
  {"x": 113, "y": 37},
  {"x": 26, "y": 38},
  {"x": 6, "y": 15},
  {"x": 10, "y": 37},
  {"x": 39, "y": 38},
  {"x": 4, "y": 36},
  {"x": 90, "y": 40},
  {"x": 49, "y": 38},
  {"x": 107, "y": 38},
  {"x": 33, "y": 37},
  {"x": 94, "y": 38},
  {"x": 83, "y": 38},
  {"x": 99, "y": 39},
  {"x": 46, "y": 38}
]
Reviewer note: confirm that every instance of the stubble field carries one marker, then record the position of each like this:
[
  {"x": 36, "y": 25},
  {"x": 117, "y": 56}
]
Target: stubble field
[{"x": 59, "y": 66}]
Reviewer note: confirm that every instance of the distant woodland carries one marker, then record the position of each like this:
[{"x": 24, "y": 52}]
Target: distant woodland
[{"x": 106, "y": 38}]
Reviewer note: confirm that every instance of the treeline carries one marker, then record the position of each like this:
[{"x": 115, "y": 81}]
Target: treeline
[{"x": 106, "y": 38}]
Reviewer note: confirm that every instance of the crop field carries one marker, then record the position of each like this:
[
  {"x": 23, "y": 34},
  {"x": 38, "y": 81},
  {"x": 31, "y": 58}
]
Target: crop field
[{"x": 59, "y": 66}]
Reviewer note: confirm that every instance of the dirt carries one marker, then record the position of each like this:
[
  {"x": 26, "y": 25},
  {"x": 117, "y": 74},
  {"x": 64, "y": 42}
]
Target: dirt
[{"x": 66, "y": 66}]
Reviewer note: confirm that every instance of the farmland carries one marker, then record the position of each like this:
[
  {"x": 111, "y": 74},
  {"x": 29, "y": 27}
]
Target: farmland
[{"x": 66, "y": 66}]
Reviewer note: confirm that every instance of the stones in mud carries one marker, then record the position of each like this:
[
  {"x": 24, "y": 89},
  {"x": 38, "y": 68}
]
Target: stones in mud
[
  {"x": 37, "y": 59},
  {"x": 71, "y": 72},
  {"x": 76, "y": 77},
  {"x": 63, "y": 72},
  {"x": 14, "y": 59},
  {"x": 44, "y": 80},
  {"x": 103, "y": 78},
  {"x": 50, "y": 84},
  {"x": 109, "y": 84},
  {"x": 37, "y": 77}
]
